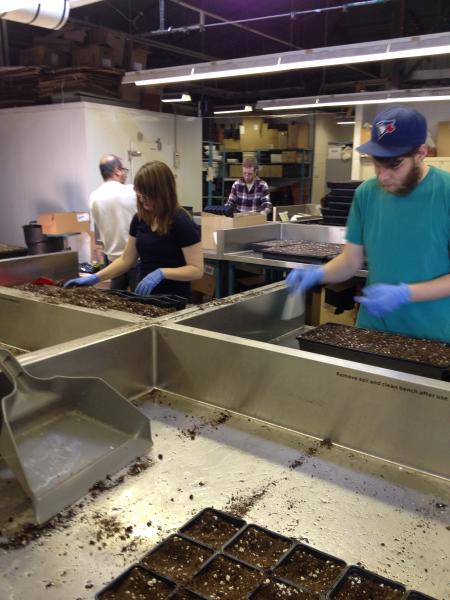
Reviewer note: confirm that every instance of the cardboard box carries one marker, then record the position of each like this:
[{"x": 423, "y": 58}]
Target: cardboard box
[
  {"x": 93, "y": 55},
  {"x": 235, "y": 171},
  {"x": 137, "y": 58},
  {"x": 212, "y": 223},
  {"x": 443, "y": 138},
  {"x": 298, "y": 135},
  {"x": 44, "y": 56},
  {"x": 112, "y": 39},
  {"x": 64, "y": 223},
  {"x": 130, "y": 93}
]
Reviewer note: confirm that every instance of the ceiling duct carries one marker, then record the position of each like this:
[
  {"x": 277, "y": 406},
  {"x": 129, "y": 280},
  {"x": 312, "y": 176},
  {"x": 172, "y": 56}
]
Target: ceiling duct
[{"x": 50, "y": 14}]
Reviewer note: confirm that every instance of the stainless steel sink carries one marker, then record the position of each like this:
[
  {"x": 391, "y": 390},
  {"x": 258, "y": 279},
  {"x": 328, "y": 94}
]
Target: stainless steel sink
[{"x": 28, "y": 324}]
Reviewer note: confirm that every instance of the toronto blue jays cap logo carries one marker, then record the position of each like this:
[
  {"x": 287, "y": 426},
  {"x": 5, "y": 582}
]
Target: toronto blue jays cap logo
[{"x": 385, "y": 127}]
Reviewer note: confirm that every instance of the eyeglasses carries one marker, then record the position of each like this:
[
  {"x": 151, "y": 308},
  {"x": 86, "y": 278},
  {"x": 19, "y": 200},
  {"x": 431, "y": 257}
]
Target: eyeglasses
[{"x": 124, "y": 169}]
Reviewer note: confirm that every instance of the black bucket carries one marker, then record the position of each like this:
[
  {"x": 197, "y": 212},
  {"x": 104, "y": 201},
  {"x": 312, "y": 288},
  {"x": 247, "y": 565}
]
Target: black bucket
[
  {"x": 48, "y": 244},
  {"x": 33, "y": 233}
]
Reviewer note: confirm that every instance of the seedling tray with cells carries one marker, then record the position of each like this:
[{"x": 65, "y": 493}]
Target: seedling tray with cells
[
  {"x": 429, "y": 358},
  {"x": 212, "y": 527},
  {"x": 225, "y": 578},
  {"x": 359, "y": 584},
  {"x": 185, "y": 594},
  {"x": 310, "y": 569},
  {"x": 273, "y": 244},
  {"x": 302, "y": 251},
  {"x": 258, "y": 546},
  {"x": 418, "y": 596},
  {"x": 137, "y": 583},
  {"x": 177, "y": 558},
  {"x": 273, "y": 589}
]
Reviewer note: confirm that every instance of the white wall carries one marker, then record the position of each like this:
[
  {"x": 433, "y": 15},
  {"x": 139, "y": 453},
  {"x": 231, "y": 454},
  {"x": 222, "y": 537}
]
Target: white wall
[
  {"x": 326, "y": 131},
  {"x": 49, "y": 156},
  {"x": 41, "y": 169},
  {"x": 116, "y": 130}
]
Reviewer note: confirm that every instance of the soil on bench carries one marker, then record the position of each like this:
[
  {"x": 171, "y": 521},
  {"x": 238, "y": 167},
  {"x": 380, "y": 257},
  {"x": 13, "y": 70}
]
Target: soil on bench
[
  {"x": 310, "y": 570},
  {"x": 138, "y": 584},
  {"x": 90, "y": 297},
  {"x": 211, "y": 529},
  {"x": 226, "y": 579},
  {"x": 258, "y": 547},
  {"x": 177, "y": 558}
]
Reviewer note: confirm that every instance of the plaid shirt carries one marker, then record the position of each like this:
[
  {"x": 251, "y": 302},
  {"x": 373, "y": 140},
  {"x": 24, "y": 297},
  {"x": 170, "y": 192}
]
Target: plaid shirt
[{"x": 256, "y": 199}]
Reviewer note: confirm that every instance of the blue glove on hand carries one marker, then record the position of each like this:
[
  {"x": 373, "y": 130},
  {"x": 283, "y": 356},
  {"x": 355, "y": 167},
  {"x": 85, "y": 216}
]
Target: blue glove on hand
[
  {"x": 89, "y": 280},
  {"x": 301, "y": 280},
  {"x": 146, "y": 285},
  {"x": 382, "y": 298}
]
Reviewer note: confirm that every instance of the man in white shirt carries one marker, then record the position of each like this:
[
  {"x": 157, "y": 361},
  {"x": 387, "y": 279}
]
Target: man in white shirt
[{"x": 113, "y": 205}]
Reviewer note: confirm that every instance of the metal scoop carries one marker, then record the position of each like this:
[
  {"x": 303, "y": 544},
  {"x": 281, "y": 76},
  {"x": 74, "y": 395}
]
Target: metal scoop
[{"x": 61, "y": 435}]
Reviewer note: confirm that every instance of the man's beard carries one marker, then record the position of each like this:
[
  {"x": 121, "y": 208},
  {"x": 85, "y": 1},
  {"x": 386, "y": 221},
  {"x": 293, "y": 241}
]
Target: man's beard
[{"x": 410, "y": 182}]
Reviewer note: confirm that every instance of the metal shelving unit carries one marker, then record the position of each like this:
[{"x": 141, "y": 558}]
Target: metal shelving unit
[
  {"x": 281, "y": 168},
  {"x": 212, "y": 171}
]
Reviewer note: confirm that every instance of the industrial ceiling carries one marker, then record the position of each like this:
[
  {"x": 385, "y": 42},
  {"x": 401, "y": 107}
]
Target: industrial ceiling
[{"x": 181, "y": 32}]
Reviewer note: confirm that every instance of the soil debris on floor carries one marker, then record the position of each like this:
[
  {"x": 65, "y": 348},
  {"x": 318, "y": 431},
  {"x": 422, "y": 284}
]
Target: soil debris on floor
[
  {"x": 214, "y": 422},
  {"x": 241, "y": 504}
]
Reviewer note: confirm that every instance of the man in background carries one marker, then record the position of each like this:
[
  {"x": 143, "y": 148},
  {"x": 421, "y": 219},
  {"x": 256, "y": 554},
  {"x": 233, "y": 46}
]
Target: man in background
[
  {"x": 250, "y": 193},
  {"x": 113, "y": 205}
]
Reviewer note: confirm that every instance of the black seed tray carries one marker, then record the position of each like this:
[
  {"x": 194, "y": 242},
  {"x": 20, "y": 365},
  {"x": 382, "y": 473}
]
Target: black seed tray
[
  {"x": 277, "y": 589},
  {"x": 7, "y": 251},
  {"x": 267, "y": 538},
  {"x": 175, "y": 556},
  {"x": 334, "y": 212},
  {"x": 338, "y": 204},
  {"x": 339, "y": 221},
  {"x": 418, "y": 596},
  {"x": 159, "y": 300},
  {"x": 364, "y": 584},
  {"x": 111, "y": 591},
  {"x": 316, "y": 562},
  {"x": 343, "y": 185},
  {"x": 214, "y": 565},
  {"x": 301, "y": 258},
  {"x": 183, "y": 593},
  {"x": 194, "y": 529},
  {"x": 372, "y": 358}
]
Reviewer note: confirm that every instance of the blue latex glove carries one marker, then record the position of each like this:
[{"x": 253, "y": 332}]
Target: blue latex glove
[
  {"x": 382, "y": 298},
  {"x": 301, "y": 280},
  {"x": 89, "y": 280},
  {"x": 146, "y": 285}
]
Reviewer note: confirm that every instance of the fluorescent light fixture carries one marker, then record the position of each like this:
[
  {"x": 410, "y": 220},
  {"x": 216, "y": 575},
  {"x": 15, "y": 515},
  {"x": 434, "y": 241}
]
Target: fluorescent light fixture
[
  {"x": 176, "y": 98},
  {"x": 398, "y": 48},
  {"x": 361, "y": 98},
  {"x": 345, "y": 122},
  {"x": 246, "y": 108}
]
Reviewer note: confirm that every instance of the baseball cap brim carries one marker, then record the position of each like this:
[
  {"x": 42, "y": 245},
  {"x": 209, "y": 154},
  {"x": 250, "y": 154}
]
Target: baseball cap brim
[{"x": 373, "y": 149}]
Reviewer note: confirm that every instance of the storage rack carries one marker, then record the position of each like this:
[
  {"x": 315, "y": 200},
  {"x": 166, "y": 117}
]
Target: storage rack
[
  {"x": 280, "y": 167},
  {"x": 212, "y": 169}
]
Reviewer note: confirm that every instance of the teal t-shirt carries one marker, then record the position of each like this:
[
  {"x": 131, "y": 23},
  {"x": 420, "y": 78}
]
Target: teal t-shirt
[{"x": 406, "y": 239}]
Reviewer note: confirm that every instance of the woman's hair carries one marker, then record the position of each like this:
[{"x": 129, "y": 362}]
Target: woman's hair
[{"x": 155, "y": 181}]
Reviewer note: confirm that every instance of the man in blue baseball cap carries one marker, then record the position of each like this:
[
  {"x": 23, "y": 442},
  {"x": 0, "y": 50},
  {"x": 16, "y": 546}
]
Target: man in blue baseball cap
[{"x": 400, "y": 220}]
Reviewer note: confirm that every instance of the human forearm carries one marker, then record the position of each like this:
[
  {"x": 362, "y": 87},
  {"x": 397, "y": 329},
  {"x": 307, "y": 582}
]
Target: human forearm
[
  {"x": 185, "y": 273},
  {"x": 116, "y": 268},
  {"x": 430, "y": 290},
  {"x": 344, "y": 266}
]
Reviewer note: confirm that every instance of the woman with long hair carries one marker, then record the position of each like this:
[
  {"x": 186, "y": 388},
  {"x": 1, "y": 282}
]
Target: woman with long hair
[{"x": 162, "y": 235}]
